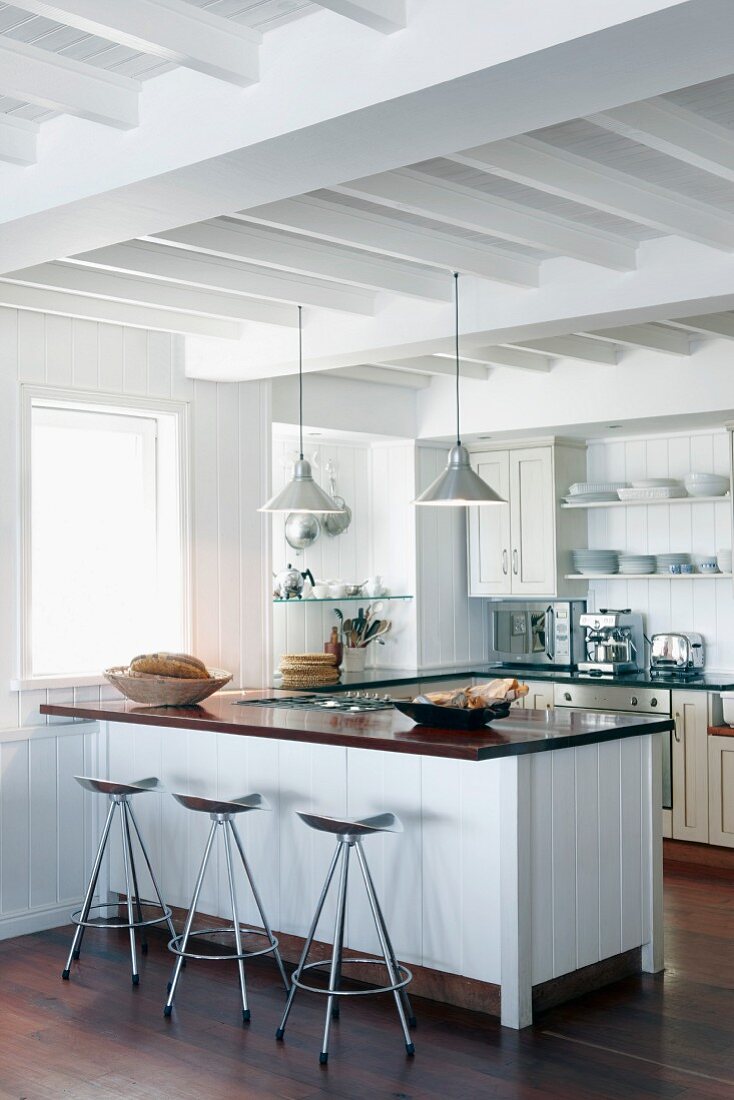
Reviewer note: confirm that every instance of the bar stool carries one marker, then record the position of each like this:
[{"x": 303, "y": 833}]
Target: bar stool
[
  {"x": 349, "y": 835},
  {"x": 221, "y": 814},
  {"x": 119, "y": 795}
]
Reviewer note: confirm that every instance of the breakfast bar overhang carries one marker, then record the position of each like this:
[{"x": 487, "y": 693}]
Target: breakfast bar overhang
[{"x": 530, "y": 868}]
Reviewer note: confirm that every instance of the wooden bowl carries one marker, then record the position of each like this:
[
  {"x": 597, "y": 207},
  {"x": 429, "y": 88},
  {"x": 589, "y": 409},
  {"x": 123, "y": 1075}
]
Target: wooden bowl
[{"x": 165, "y": 691}]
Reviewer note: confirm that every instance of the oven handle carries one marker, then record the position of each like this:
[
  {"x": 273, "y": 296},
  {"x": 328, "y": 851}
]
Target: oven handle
[{"x": 550, "y": 629}]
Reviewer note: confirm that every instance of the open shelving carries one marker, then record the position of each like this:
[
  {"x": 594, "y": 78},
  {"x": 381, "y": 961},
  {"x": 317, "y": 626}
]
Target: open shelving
[
  {"x": 647, "y": 503},
  {"x": 646, "y": 576},
  {"x": 338, "y": 599}
]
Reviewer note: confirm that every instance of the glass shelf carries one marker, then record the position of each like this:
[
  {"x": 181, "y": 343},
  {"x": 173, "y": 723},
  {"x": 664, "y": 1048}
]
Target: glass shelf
[{"x": 339, "y": 599}]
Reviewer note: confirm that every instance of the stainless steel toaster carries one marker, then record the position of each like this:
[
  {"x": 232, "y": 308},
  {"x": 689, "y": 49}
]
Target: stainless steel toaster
[{"x": 679, "y": 652}]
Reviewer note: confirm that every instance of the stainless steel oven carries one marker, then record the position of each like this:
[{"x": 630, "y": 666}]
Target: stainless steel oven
[
  {"x": 543, "y": 633},
  {"x": 615, "y": 698}
]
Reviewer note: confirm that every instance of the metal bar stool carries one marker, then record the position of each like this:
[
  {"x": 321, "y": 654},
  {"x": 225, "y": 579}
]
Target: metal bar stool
[
  {"x": 221, "y": 814},
  {"x": 119, "y": 795},
  {"x": 349, "y": 835}
]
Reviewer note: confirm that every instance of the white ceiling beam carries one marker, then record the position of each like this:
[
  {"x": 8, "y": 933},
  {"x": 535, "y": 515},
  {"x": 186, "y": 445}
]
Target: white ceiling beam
[
  {"x": 51, "y": 80},
  {"x": 433, "y": 364},
  {"x": 469, "y": 208},
  {"x": 554, "y": 171},
  {"x": 152, "y": 292},
  {"x": 381, "y": 15},
  {"x": 676, "y": 131},
  {"x": 573, "y": 347},
  {"x": 514, "y": 358},
  {"x": 381, "y": 375},
  {"x": 170, "y": 29},
  {"x": 649, "y": 337},
  {"x": 175, "y": 265},
  {"x": 39, "y": 300},
  {"x": 237, "y": 241},
  {"x": 330, "y": 221},
  {"x": 18, "y": 139},
  {"x": 714, "y": 324}
]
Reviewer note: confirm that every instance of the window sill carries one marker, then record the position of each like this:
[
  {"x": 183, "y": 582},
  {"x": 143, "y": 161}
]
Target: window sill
[{"x": 40, "y": 683}]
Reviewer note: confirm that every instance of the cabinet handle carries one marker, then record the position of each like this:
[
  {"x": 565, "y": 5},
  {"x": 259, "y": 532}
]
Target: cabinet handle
[
  {"x": 514, "y": 562},
  {"x": 504, "y": 562},
  {"x": 675, "y": 728}
]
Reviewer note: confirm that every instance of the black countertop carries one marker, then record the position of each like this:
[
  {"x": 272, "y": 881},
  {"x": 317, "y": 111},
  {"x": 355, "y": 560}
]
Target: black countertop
[{"x": 374, "y": 678}]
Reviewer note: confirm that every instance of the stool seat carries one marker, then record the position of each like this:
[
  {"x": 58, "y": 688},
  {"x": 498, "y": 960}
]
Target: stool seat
[
  {"x": 109, "y": 786},
  {"x": 220, "y": 806},
  {"x": 378, "y": 823}
]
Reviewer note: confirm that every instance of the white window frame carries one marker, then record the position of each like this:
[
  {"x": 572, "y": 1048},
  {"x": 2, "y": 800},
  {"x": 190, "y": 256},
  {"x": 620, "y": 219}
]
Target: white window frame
[{"x": 32, "y": 395}]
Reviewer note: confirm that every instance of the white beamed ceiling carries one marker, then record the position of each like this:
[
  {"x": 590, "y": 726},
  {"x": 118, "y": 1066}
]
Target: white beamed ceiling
[{"x": 583, "y": 237}]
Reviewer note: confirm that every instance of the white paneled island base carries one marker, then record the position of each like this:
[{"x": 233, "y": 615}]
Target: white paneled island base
[{"x": 511, "y": 873}]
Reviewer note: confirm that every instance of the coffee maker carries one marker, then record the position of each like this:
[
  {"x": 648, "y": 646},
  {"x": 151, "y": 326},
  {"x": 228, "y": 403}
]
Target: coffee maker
[{"x": 614, "y": 642}]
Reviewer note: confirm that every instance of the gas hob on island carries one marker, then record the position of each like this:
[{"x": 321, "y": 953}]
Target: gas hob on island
[{"x": 349, "y": 703}]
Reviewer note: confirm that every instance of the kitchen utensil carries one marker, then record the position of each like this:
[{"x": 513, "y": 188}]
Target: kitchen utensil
[
  {"x": 301, "y": 529},
  {"x": 457, "y": 718},
  {"x": 355, "y": 589},
  {"x": 289, "y": 583},
  {"x": 354, "y": 659},
  {"x": 165, "y": 691},
  {"x": 336, "y": 523}
]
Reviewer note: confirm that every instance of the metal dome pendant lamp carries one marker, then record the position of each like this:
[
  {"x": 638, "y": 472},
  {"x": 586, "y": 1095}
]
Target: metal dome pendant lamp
[
  {"x": 458, "y": 486},
  {"x": 301, "y": 494}
]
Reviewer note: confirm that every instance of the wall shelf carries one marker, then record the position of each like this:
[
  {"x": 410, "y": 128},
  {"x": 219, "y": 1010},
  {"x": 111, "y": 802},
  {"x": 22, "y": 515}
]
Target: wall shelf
[
  {"x": 726, "y": 498},
  {"x": 340, "y": 599},
  {"x": 647, "y": 576}
]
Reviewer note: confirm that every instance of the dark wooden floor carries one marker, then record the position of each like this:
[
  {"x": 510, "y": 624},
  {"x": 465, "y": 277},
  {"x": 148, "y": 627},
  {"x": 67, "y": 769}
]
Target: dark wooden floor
[{"x": 668, "y": 1036}]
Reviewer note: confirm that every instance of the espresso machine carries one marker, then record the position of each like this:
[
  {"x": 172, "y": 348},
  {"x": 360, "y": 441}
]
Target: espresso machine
[{"x": 614, "y": 642}]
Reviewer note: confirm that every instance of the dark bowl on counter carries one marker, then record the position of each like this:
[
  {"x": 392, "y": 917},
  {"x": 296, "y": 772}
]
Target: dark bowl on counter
[{"x": 454, "y": 718}]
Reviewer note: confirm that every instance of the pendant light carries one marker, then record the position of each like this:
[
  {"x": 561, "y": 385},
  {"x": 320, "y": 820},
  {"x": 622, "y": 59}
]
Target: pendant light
[
  {"x": 301, "y": 494},
  {"x": 458, "y": 486}
]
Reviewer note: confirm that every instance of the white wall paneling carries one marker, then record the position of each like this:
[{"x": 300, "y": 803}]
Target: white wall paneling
[
  {"x": 48, "y": 832},
  {"x": 695, "y": 528}
]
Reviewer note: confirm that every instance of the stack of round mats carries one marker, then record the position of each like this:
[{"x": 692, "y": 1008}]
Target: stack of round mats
[{"x": 305, "y": 670}]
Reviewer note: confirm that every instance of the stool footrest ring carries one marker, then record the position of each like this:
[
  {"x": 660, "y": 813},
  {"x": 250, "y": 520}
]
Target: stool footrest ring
[
  {"x": 101, "y": 922},
  {"x": 296, "y": 979},
  {"x": 174, "y": 945}
]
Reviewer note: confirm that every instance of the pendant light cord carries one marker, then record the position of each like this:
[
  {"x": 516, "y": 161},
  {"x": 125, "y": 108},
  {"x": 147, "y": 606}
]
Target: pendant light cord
[
  {"x": 456, "y": 335},
  {"x": 300, "y": 381}
]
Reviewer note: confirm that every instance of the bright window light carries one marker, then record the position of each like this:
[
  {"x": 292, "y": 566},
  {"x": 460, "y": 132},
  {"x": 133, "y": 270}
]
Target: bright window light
[{"x": 105, "y": 548}]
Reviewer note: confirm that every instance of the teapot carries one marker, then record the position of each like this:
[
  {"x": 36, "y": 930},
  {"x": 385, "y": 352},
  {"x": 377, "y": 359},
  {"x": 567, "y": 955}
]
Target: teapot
[{"x": 289, "y": 583}]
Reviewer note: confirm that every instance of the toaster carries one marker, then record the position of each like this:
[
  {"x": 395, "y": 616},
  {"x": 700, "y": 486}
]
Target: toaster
[{"x": 676, "y": 652}]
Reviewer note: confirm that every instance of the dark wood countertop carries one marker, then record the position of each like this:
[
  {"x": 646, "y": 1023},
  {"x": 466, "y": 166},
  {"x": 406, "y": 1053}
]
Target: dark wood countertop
[
  {"x": 721, "y": 731},
  {"x": 524, "y": 731}
]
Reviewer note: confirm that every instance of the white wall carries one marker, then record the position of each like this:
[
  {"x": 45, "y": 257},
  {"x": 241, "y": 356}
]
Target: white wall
[
  {"x": 346, "y": 404},
  {"x": 706, "y": 606},
  {"x": 48, "y": 826}
]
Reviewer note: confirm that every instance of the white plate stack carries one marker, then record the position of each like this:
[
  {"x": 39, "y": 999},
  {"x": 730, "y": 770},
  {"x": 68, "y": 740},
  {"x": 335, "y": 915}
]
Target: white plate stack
[
  {"x": 631, "y": 564},
  {"x": 593, "y": 492},
  {"x": 595, "y": 563},
  {"x": 653, "y": 488},
  {"x": 664, "y": 561}
]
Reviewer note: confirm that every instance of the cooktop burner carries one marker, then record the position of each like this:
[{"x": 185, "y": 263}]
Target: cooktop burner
[{"x": 349, "y": 703}]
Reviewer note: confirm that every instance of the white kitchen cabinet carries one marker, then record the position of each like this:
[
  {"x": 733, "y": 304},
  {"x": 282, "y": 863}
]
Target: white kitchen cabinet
[
  {"x": 721, "y": 790},
  {"x": 524, "y": 549},
  {"x": 690, "y": 766}
]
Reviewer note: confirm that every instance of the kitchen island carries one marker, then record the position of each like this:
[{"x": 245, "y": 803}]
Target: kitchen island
[{"x": 530, "y": 867}]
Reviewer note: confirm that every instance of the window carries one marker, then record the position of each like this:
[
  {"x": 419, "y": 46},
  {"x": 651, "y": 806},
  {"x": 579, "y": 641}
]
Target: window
[{"x": 103, "y": 535}]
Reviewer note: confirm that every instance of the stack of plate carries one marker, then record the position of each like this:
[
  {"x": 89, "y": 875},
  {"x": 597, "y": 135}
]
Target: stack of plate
[
  {"x": 591, "y": 492},
  {"x": 664, "y": 561},
  {"x": 595, "y": 563},
  {"x": 723, "y": 560},
  {"x": 636, "y": 563}
]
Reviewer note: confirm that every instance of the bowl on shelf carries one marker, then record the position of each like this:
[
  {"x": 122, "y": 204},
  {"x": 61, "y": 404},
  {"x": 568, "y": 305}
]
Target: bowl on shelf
[
  {"x": 706, "y": 485},
  {"x": 165, "y": 691},
  {"x": 706, "y": 564},
  {"x": 320, "y": 591},
  {"x": 337, "y": 591}
]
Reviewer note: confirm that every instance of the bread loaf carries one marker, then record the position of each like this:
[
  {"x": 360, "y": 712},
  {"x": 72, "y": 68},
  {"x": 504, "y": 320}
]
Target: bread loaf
[{"x": 179, "y": 665}]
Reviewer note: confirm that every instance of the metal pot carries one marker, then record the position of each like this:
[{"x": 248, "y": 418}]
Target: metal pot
[
  {"x": 289, "y": 583},
  {"x": 301, "y": 529}
]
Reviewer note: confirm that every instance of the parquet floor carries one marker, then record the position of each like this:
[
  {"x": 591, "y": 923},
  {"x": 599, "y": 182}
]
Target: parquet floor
[{"x": 668, "y": 1036}]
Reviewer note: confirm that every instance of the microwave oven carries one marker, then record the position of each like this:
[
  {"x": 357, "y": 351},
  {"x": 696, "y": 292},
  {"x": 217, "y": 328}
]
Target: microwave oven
[{"x": 545, "y": 633}]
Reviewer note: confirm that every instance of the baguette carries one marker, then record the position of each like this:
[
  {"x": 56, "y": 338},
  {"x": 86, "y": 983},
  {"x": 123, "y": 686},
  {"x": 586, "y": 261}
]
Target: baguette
[{"x": 178, "y": 665}]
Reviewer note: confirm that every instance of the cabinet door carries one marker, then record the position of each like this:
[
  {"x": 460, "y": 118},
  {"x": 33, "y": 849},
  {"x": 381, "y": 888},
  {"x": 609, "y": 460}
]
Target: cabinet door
[
  {"x": 489, "y": 530},
  {"x": 532, "y": 507},
  {"x": 690, "y": 766},
  {"x": 721, "y": 791}
]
